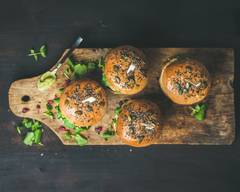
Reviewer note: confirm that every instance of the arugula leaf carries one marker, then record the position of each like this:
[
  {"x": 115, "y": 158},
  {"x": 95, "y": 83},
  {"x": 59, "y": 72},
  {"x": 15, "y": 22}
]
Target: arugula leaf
[
  {"x": 37, "y": 136},
  {"x": 68, "y": 124},
  {"x": 80, "y": 140},
  {"x": 199, "y": 111},
  {"x": 107, "y": 134},
  {"x": 27, "y": 123},
  {"x": 33, "y": 129},
  {"x": 80, "y": 69},
  {"x": 29, "y": 138},
  {"x": 36, "y": 125}
]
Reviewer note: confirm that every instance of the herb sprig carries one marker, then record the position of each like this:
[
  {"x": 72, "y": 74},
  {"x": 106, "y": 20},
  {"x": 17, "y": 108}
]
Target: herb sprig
[
  {"x": 42, "y": 52},
  {"x": 199, "y": 111},
  {"x": 31, "y": 130}
]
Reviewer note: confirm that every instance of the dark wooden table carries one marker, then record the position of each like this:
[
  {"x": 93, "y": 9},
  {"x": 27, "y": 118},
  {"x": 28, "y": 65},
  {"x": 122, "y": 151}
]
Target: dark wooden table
[{"x": 55, "y": 167}]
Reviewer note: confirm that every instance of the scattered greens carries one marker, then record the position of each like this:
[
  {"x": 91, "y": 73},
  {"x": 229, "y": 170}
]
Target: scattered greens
[
  {"x": 73, "y": 132},
  {"x": 199, "y": 111},
  {"x": 76, "y": 70},
  {"x": 42, "y": 52},
  {"x": 31, "y": 130}
]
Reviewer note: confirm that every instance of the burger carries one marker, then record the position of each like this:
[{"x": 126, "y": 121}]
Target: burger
[
  {"x": 138, "y": 123},
  {"x": 184, "y": 80},
  {"x": 125, "y": 70},
  {"x": 83, "y": 103}
]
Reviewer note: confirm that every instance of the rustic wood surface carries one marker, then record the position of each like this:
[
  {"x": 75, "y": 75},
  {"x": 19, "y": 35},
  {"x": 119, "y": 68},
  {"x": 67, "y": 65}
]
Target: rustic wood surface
[
  {"x": 55, "y": 167},
  {"x": 178, "y": 126}
]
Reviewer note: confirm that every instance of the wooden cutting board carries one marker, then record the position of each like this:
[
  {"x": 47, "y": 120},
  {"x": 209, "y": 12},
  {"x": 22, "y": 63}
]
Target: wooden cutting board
[{"x": 179, "y": 127}]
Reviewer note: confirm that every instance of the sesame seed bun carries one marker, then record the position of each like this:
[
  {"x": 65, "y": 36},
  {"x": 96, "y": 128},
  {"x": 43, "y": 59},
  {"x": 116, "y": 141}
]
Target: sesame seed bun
[
  {"x": 83, "y": 102},
  {"x": 185, "y": 81},
  {"x": 125, "y": 70},
  {"x": 138, "y": 123}
]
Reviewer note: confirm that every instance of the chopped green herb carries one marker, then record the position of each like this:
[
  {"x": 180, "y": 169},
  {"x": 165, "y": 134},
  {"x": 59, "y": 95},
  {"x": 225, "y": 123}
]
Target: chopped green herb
[{"x": 199, "y": 111}]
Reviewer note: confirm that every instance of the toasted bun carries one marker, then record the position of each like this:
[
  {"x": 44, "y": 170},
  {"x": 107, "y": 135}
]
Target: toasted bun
[
  {"x": 138, "y": 123},
  {"x": 83, "y": 103},
  {"x": 185, "y": 81},
  {"x": 125, "y": 70}
]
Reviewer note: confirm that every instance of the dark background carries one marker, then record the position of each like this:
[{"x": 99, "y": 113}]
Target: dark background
[{"x": 25, "y": 24}]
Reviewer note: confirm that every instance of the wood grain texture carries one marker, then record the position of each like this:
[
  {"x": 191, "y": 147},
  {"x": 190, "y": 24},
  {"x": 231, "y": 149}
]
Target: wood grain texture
[{"x": 178, "y": 126}]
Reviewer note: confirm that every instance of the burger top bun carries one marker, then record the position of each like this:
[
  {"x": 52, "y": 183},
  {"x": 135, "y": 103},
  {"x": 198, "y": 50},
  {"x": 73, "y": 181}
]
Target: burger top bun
[
  {"x": 138, "y": 123},
  {"x": 125, "y": 70},
  {"x": 185, "y": 81},
  {"x": 83, "y": 102}
]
